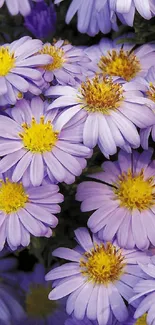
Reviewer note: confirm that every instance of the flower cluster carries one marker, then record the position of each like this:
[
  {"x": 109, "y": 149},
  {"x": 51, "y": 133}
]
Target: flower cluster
[{"x": 59, "y": 105}]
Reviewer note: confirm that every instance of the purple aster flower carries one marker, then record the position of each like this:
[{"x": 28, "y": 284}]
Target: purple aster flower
[
  {"x": 17, "y": 6},
  {"x": 121, "y": 60},
  {"x": 38, "y": 309},
  {"x": 69, "y": 63},
  {"x": 149, "y": 83},
  {"x": 26, "y": 210},
  {"x": 126, "y": 9},
  {"x": 146, "y": 289},
  {"x": 125, "y": 204},
  {"x": 112, "y": 111},
  {"x": 18, "y": 69},
  {"x": 93, "y": 16},
  {"x": 42, "y": 20},
  {"x": 35, "y": 144},
  {"x": 10, "y": 307},
  {"x": 97, "y": 279}
]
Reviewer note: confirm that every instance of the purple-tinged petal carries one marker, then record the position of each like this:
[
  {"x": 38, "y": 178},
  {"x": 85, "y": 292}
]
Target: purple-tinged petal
[
  {"x": 67, "y": 287},
  {"x": 103, "y": 306},
  {"x": 67, "y": 254},
  {"x": 54, "y": 166},
  {"x": 11, "y": 159},
  {"x": 90, "y": 131},
  {"x": 14, "y": 230},
  {"x": 63, "y": 271},
  {"x": 21, "y": 166},
  {"x": 36, "y": 170},
  {"x": 82, "y": 300},
  {"x": 41, "y": 214},
  {"x": 117, "y": 304},
  {"x": 83, "y": 237},
  {"x": 92, "y": 304}
]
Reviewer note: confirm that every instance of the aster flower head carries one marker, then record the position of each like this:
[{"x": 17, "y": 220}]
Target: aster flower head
[
  {"x": 26, "y": 210},
  {"x": 39, "y": 310},
  {"x": 11, "y": 309},
  {"x": 124, "y": 200},
  {"x": 93, "y": 16},
  {"x": 145, "y": 289},
  {"x": 36, "y": 145},
  {"x": 99, "y": 275},
  {"x": 126, "y": 9},
  {"x": 19, "y": 68},
  {"x": 41, "y": 22},
  {"x": 17, "y": 6},
  {"x": 10, "y": 299},
  {"x": 120, "y": 60},
  {"x": 149, "y": 83},
  {"x": 68, "y": 63},
  {"x": 112, "y": 111}
]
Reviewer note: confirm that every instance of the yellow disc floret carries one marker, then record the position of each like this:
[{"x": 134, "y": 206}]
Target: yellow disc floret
[
  {"x": 39, "y": 137},
  {"x": 135, "y": 192},
  {"x": 101, "y": 95},
  {"x": 151, "y": 92},
  {"x": 141, "y": 320},
  {"x": 7, "y": 61},
  {"x": 57, "y": 55},
  {"x": 37, "y": 303},
  {"x": 124, "y": 64},
  {"x": 103, "y": 264},
  {"x": 12, "y": 196}
]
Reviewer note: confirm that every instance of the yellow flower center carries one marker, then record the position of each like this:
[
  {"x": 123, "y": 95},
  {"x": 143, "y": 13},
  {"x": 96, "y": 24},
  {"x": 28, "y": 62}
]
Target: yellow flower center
[
  {"x": 37, "y": 303},
  {"x": 141, "y": 320},
  {"x": 101, "y": 95},
  {"x": 134, "y": 192},
  {"x": 20, "y": 95},
  {"x": 103, "y": 264},
  {"x": 124, "y": 64},
  {"x": 151, "y": 92},
  {"x": 57, "y": 55},
  {"x": 7, "y": 61},
  {"x": 12, "y": 196},
  {"x": 39, "y": 137}
]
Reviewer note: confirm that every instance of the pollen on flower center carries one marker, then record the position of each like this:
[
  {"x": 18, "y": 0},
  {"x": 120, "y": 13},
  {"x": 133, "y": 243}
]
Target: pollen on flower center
[
  {"x": 124, "y": 64},
  {"x": 12, "y": 196},
  {"x": 101, "y": 95},
  {"x": 37, "y": 303},
  {"x": 151, "y": 92},
  {"x": 39, "y": 137},
  {"x": 141, "y": 320},
  {"x": 7, "y": 61},
  {"x": 57, "y": 55},
  {"x": 134, "y": 192},
  {"x": 103, "y": 264}
]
